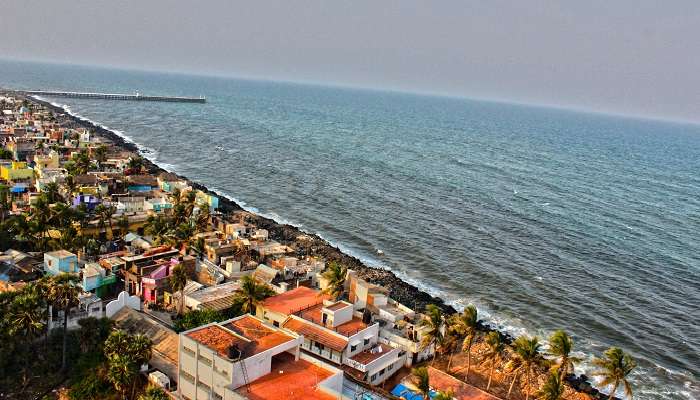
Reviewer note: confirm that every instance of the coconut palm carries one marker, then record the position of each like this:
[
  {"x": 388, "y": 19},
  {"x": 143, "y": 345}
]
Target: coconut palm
[
  {"x": 560, "y": 346},
  {"x": 52, "y": 192},
  {"x": 121, "y": 372},
  {"x": 335, "y": 275},
  {"x": 104, "y": 213},
  {"x": 553, "y": 388},
  {"x": 614, "y": 368},
  {"x": 465, "y": 324},
  {"x": 493, "y": 354},
  {"x": 527, "y": 358},
  {"x": 117, "y": 343},
  {"x": 251, "y": 293},
  {"x": 433, "y": 323},
  {"x": 25, "y": 321},
  {"x": 64, "y": 294},
  {"x": 178, "y": 281},
  {"x": 421, "y": 379},
  {"x": 100, "y": 155},
  {"x": 140, "y": 351}
]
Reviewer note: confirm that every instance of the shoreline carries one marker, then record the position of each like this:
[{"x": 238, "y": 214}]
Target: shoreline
[{"x": 400, "y": 290}]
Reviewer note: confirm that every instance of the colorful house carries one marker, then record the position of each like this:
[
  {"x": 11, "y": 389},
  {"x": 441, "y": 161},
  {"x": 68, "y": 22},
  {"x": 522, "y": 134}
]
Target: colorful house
[
  {"x": 155, "y": 283},
  {"x": 208, "y": 199},
  {"x": 89, "y": 201},
  {"x": 15, "y": 171},
  {"x": 157, "y": 204},
  {"x": 60, "y": 261},
  {"x": 97, "y": 279}
]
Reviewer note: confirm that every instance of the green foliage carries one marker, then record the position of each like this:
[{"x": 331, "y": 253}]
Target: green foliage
[
  {"x": 125, "y": 354},
  {"x": 335, "y": 275},
  {"x": 154, "y": 393},
  {"x": 5, "y": 154},
  {"x": 421, "y": 379},
  {"x": 195, "y": 318},
  {"x": 614, "y": 367},
  {"x": 251, "y": 293},
  {"x": 553, "y": 388}
]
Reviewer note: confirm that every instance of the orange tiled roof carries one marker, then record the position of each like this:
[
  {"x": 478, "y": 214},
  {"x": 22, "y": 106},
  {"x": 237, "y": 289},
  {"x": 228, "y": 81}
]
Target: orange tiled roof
[
  {"x": 316, "y": 333},
  {"x": 289, "y": 380},
  {"x": 262, "y": 338},
  {"x": 462, "y": 391},
  {"x": 217, "y": 339},
  {"x": 294, "y": 300}
]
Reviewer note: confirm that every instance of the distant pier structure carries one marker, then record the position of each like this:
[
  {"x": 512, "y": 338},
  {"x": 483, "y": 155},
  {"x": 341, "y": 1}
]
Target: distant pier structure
[{"x": 116, "y": 96}]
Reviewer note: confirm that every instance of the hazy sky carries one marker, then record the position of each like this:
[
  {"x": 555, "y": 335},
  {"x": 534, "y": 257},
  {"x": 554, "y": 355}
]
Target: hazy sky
[{"x": 625, "y": 56}]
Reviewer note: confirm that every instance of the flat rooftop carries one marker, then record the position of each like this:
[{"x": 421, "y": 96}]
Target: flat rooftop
[
  {"x": 462, "y": 391},
  {"x": 289, "y": 380},
  {"x": 294, "y": 300},
  {"x": 313, "y": 314},
  {"x": 367, "y": 356},
  {"x": 247, "y": 332}
]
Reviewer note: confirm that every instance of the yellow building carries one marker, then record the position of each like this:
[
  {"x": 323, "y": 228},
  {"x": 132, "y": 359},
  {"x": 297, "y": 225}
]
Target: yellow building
[{"x": 15, "y": 171}]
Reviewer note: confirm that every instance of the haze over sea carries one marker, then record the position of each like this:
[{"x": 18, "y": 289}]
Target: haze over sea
[{"x": 543, "y": 218}]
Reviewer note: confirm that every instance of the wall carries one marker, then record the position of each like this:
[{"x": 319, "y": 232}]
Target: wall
[{"x": 123, "y": 300}]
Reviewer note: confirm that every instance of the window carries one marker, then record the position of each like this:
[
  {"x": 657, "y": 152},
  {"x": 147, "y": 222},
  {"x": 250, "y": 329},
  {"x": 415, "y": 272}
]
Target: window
[
  {"x": 189, "y": 378},
  {"x": 390, "y": 367},
  {"x": 205, "y": 360},
  {"x": 374, "y": 378},
  {"x": 381, "y": 372},
  {"x": 222, "y": 371},
  {"x": 188, "y": 351},
  {"x": 276, "y": 324},
  {"x": 366, "y": 341},
  {"x": 353, "y": 348},
  {"x": 203, "y": 386},
  {"x": 217, "y": 396},
  {"x": 319, "y": 346}
]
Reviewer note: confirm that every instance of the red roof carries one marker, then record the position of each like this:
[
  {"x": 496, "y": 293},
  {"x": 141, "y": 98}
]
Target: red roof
[
  {"x": 217, "y": 339},
  {"x": 262, "y": 337},
  {"x": 316, "y": 333},
  {"x": 289, "y": 380},
  {"x": 294, "y": 300},
  {"x": 462, "y": 391}
]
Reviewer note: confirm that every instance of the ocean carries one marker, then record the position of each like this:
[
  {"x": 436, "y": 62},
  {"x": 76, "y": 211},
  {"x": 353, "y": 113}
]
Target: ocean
[{"x": 543, "y": 218}]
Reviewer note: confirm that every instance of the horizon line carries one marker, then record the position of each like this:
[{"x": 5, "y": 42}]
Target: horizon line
[{"x": 385, "y": 89}]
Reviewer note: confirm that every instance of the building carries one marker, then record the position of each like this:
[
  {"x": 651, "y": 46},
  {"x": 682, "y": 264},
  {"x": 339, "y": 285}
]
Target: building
[
  {"x": 277, "y": 309},
  {"x": 97, "y": 279},
  {"x": 219, "y": 297},
  {"x": 15, "y": 171},
  {"x": 157, "y": 204},
  {"x": 60, "y": 261},
  {"x": 246, "y": 358}
]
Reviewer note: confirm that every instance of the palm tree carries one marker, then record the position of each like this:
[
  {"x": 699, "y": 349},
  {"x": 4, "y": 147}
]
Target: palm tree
[
  {"x": 493, "y": 354},
  {"x": 25, "y": 321},
  {"x": 335, "y": 275},
  {"x": 121, "y": 373},
  {"x": 52, "y": 192},
  {"x": 466, "y": 324},
  {"x": 135, "y": 163},
  {"x": 527, "y": 358},
  {"x": 140, "y": 350},
  {"x": 251, "y": 293},
  {"x": 116, "y": 343},
  {"x": 614, "y": 368},
  {"x": 64, "y": 294},
  {"x": 100, "y": 154},
  {"x": 178, "y": 281},
  {"x": 104, "y": 213},
  {"x": 434, "y": 328},
  {"x": 560, "y": 346},
  {"x": 421, "y": 379},
  {"x": 553, "y": 388}
]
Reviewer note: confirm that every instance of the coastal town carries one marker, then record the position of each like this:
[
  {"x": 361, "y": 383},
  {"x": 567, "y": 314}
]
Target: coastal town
[{"x": 119, "y": 280}]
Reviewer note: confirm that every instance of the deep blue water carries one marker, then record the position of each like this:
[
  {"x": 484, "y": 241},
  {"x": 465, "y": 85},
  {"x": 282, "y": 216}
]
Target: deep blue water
[{"x": 543, "y": 218}]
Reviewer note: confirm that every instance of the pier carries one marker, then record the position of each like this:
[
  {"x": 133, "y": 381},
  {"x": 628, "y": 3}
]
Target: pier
[{"x": 116, "y": 96}]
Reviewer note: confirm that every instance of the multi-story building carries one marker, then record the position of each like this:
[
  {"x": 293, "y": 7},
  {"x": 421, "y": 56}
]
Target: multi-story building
[
  {"x": 247, "y": 358},
  {"x": 60, "y": 261}
]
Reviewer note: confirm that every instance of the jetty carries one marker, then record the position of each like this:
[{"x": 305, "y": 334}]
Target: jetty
[{"x": 115, "y": 96}]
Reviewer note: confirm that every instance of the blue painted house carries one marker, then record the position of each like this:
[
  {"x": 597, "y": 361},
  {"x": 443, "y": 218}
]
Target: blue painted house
[{"x": 60, "y": 261}]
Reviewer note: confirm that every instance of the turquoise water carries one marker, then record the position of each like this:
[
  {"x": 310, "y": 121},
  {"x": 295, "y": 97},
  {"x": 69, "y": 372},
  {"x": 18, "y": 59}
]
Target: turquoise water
[{"x": 543, "y": 218}]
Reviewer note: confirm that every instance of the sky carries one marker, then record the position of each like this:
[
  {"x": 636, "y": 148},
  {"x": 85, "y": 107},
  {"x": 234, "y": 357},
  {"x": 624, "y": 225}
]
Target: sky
[{"x": 634, "y": 57}]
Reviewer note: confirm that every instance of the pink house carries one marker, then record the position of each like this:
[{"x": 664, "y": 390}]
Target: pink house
[{"x": 152, "y": 285}]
